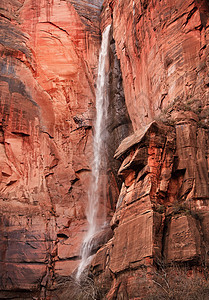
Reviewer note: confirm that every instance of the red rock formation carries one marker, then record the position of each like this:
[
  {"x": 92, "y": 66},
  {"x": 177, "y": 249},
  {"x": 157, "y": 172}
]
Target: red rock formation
[
  {"x": 159, "y": 216},
  {"x": 48, "y": 60},
  {"x": 162, "y": 209},
  {"x": 162, "y": 47},
  {"x": 48, "y": 56}
]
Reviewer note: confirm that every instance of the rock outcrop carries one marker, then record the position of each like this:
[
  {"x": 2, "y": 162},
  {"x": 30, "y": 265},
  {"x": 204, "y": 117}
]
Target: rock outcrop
[
  {"x": 49, "y": 56},
  {"x": 163, "y": 50},
  {"x": 162, "y": 209}
]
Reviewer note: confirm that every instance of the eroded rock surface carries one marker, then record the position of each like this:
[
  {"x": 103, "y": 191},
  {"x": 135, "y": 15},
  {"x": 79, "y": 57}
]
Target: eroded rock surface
[
  {"x": 161, "y": 212},
  {"x": 158, "y": 88},
  {"x": 162, "y": 209},
  {"x": 163, "y": 49},
  {"x": 48, "y": 56}
]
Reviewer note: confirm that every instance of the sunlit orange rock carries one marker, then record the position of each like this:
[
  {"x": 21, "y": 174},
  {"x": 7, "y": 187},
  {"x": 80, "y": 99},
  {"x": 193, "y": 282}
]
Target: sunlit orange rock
[
  {"x": 48, "y": 59},
  {"x": 156, "y": 193},
  {"x": 163, "y": 49}
]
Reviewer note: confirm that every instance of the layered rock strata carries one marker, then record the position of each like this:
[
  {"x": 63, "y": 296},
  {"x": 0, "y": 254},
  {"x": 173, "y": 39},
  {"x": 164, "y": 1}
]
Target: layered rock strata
[
  {"x": 162, "y": 210},
  {"x": 48, "y": 56},
  {"x": 163, "y": 50},
  {"x": 48, "y": 69}
]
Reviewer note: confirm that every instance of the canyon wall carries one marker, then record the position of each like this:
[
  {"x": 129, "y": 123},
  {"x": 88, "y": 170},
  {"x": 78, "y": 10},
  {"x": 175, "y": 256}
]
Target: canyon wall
[
  {"x": 158, "y": 160},
  {"x": 162, "y": 211},
  {"x": 48, "y": 70},
  {"x": 48, "y": 56}
]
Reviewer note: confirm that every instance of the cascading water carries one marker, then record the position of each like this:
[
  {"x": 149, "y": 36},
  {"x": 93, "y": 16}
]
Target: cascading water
[{"x": 99, "y": 137}]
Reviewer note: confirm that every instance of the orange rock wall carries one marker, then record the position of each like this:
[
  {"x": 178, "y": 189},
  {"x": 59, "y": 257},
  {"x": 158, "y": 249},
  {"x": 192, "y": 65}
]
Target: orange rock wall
[
  {"x": 162, "y": 209},
  {"x": 163, "y": 48},
  {"x": 48, "y": 58}
]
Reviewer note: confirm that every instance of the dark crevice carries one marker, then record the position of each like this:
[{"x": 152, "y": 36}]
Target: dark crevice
[
  {"x": 73, "y": 181},
  {"x": 175, "y": 19},
  {"x": 11, "y": 182},
  {"x": 62, "y": 235},
  {"x": 5, "y": 17},
  {"x": 51, "y": 137},
  {"x": 51, "y": 23},
  {"x": 73, "y": 258},
  {"x": 22, "y": 134},
  {"x": 82, "y": 171},
  {"x": 165, "y": 230},
  {"x": 190, "y": 15},
  {"x": 143, "y": 176}
]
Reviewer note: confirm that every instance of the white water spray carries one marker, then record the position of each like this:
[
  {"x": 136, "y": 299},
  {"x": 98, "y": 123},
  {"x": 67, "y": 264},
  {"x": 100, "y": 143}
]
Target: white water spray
[{"x": 99, "y": 137}]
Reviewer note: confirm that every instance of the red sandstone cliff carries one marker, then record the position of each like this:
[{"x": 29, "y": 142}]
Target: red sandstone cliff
[
  {"x": 162, "y": 211},
  {"x": 48, "y": 58}
]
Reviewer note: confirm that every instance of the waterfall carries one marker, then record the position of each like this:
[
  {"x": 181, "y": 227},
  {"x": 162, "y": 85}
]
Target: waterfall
[{"x": 98, "y": 154}]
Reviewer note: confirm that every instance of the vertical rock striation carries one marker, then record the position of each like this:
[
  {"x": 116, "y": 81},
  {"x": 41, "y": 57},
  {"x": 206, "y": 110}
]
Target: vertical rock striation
[
  {"x": 162, "y": 209},
  {"x": 162, "y": 47},
  {"x": 48, "y": 58},
  {"x": 158, "y": 182}
]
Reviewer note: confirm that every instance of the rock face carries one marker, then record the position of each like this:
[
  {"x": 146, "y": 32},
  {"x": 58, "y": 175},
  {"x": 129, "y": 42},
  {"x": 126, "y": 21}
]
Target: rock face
[
  {"x": 162, "y": 48},
  {"x": 48, "y": 56},
  {"x": 162, "y": 209},
  {"x": 48, "y": 69},
  {"x": 161, "y": 213},
  {"x": 157, "y": 192}
]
